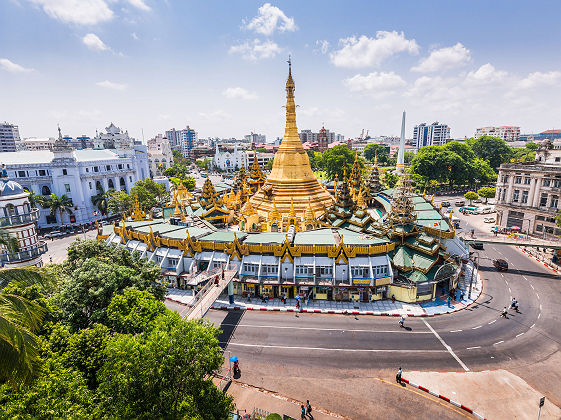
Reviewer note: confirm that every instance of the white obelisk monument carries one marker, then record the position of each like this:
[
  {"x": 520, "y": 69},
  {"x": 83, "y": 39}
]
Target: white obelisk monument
[{"x": 400, "y": 167}]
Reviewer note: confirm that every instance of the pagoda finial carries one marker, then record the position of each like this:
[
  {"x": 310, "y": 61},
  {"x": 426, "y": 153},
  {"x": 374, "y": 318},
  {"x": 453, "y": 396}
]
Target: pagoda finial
[{"x": 292, "y": 212}]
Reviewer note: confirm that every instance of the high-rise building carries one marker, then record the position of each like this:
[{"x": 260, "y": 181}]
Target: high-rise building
[
  {"x": 309, "y": 136},
  {"x": 435, "y": 134},
  {"x": 256, "y": 138},
  {"x": 505, "y": 132},
  {"x": 9, "y": 135},
  {"x": 540, "y": 137},
  {"x": 182, "y": 140},
  {"x": 160, "y": 156}
]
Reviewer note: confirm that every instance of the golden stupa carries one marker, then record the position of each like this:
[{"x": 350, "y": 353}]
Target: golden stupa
[{"x": 291, "y": 185}]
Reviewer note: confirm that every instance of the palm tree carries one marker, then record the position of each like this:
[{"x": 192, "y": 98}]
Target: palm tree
[
  {"x": 100, "y": 200},
  {"x": 59, "y": 204},
  {"x": 19, "y": 319}
]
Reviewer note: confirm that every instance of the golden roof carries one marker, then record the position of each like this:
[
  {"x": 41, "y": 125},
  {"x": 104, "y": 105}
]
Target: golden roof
[{"x": 291, "y": 180}]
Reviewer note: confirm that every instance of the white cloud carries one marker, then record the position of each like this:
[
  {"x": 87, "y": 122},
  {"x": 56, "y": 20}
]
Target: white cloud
[
  {"x": 217, "y": 115},
  {"x": 83, "y": 12},
  {"x": 376, "y": 83},
  {"x": 539, "y": 79},
  {"x": 323, "y": 46},
  {"x": 239, "y": 93},
  {"x": 256, "y": 49},
  {"x": 93, "y": 42},
  {"x": 270, "y": 19},
  {"x": 12, "y": 67},
  {"x": 134, "y": 36},
  {"x": 444, "y": 58},
  {"x": 111, "y": 85},
  {"x": 485, "y": 74},
  {"x": 140, "y": 4},
  {"x": 365, "y": 51}
]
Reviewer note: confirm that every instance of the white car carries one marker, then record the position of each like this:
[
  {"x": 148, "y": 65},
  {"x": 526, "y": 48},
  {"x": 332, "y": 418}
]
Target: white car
[{"x": 489, "y": 220}]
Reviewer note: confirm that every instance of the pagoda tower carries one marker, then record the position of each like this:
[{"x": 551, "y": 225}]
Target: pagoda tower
[{"x": 291, "y": 179}]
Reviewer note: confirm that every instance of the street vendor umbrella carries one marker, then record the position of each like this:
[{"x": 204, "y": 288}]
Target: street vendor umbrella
[
  {"x": 515, "y": 228},
  {"x": 234, "y": 359}
]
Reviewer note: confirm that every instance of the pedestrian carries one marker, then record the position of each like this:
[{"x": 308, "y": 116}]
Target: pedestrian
[
  {"x": 398, "y": 375},
  {"x": 309, "y": 409},
  {"x": 449, "y": 301},
  {"x": 303, "y": 416},
  {"x": 51, "y": 260},
  {"x": 504, "y": 313}
]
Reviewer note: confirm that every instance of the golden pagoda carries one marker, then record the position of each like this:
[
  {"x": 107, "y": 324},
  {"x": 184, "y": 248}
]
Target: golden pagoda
[{"x": 291, "y": 181}]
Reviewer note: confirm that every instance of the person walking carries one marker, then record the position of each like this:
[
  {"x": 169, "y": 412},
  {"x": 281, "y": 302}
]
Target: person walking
[
  {"x": 309, "y": 409},
  {"x": 398, "y": 375},
  {"x": 504, "y": 313},
  {"x": 303, "y": 415}
]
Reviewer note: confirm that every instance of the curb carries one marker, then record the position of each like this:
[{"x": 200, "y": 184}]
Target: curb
[
  {"x": 538, "y": 260},
  {"x": 442, "y": 397}
]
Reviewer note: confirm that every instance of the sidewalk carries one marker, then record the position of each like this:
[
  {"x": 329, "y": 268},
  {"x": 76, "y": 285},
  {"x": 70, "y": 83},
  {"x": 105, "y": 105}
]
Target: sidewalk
[
  {"x": 382, "y": 307},
  {"x": 247, "y": 398}
]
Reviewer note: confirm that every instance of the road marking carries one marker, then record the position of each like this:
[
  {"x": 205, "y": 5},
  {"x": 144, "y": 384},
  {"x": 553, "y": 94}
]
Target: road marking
[
  {"x": 456, "y": 331},
  {"x": 540, "y": 314},
  {"x": 532, "y": 286},
  {"x": 270, "y": 346},
  {"x": 533, "y": 325},
  {"x": 479, "y": 326},
  {"x": 525, "y": 278},
  {"x": 498, "y": 342},
  {"x": 538, "y": 296},
  {"x": 509, "y": 291},
  {"x": 518, "y": 335},
  {"x": 492, "y": 322},
  {"x": 284, "y": 327},
  {"x": 471, "y": 348},
  {"x": 540, "y": 306},
  {"x": 462, "y": 364}
]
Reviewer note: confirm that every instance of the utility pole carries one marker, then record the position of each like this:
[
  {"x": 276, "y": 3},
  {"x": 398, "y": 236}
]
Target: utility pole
[{"x": 472, "y": 271}]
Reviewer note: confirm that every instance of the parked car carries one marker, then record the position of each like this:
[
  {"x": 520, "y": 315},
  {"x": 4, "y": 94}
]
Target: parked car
[
  {"x": 479, "y": 200},
  {"x": 460, "y": 203},
  {"x": 54, "y": 234},
  {"x": 477, "y": 245},
  {"x": 445, "y": 204},
  {"x": 500, "y": 264},
  {"x": 489, "y": 220}
]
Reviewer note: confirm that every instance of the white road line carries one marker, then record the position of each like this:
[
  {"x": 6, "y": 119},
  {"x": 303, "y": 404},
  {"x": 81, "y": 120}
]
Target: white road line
[
  {"x": 509, "y": 291},
  {"x": 456, "y": 331},
  {"x": 540, "y": 306},
  {"x": 462, "y": 364},
  {"x": 518, "y": 335},
  {"x": 538, "y": 296},
  {"x": 498, "y": 342},
  {"x": 285, "y": 327},
  {"x": 539, "y": 315},
  {"x": 525, "y": 278},
  {"x": 532, "y": 286},
  {"x": 492, "y": 322},
  {"x": 479, "y": 326},
  {"x": 533, "y": 325},
  {"x": 268, "y": 346},
  {"x": 475, "y": 347}
]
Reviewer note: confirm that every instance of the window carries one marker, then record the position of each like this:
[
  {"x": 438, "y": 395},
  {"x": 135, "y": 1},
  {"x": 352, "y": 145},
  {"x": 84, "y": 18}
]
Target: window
[
  {"x": 173, "y": 261},
  {"x": 45, "y": 190},
  {"x": 554, "y": 201},
  {"x": 518, "y": 180},
  {"x": 96, "y": 168},
  {"x": 90, "y": 184},
  {"x": 539, "y": 228},
  {"x": 67, "y": 187},
  {"x": 128, "y": 166},
  {"x": 543, "y": 200},
  {"x": 360, "y": 272},
  {"x": 324, "y": 271},
  {"x": 120, "y": 166},
  {"x": 21, "y": 174},
  {"x": 527, "y": 181},
  {"x": 558, "y": 159},
  {"x": 557, "y": 183},
  {"x": 524, "y": 197},
  {"x": 130, "y": 178},
  {"x": 546, "y": 182},
  {"x": 108, "y": 167},
  {"x": 42, "y": 172},
  {"x": 64, "y": 172},
  {"x": 87, "y": 169},
  {"x": 515, "y": 196},
  {"x": 505, "y": 178},
  {"x": 504, "y": 195}
]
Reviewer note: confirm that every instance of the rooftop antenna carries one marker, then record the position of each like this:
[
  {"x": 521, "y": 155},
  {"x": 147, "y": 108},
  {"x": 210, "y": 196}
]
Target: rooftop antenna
[{"x": 142, "y": 131}]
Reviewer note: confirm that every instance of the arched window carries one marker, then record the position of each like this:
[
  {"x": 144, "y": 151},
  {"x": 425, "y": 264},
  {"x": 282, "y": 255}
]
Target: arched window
[
  {"x": 110, "y": 183},
  {"x": 45, "y": 190},
  {"x": 11, "y": 209},
  {"x": 98, "y": 185},
  {"x": 123, "y": 184}
]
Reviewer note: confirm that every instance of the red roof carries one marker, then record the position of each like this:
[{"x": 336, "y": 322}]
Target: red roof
[{"x": 555, "y": 131}]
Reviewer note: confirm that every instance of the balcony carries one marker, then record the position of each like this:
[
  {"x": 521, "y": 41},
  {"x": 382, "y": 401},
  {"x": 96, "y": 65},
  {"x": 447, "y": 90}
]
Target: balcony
[
  {"x": 15, "y": 257},
  {"x": 20, "y": 219}
]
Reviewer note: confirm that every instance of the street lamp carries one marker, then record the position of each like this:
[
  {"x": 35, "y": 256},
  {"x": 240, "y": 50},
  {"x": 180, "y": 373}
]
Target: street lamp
[{"x": 472, "y": 271}]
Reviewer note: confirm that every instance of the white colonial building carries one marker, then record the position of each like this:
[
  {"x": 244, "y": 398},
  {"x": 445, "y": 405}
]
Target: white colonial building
[
  {"x": 230, "y": 161},
  {"x": 77, "y": 173},
  {"x": 160, "y": 156}
]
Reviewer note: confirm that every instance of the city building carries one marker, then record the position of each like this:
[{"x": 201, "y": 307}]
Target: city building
[
  {"x": 182, "y": 140},
  {"x": 78, "y": 174},
  {"x": 528, "y": 193},
  {"x": 9, "y": 136},
  {"x": 544, "y": 135},
  {"x": 255, "y": 138},
  {"x": 34, "y": 143},
  {"x": 17, "y": 219},
  {"x": 435, "y": 134},
  {"x": 160, "y": 156},
  {"x": 309, "y": 136},
  {"x": 230, "y": 161},
  {"x": 262, "y": 158},
  {"x": 505, "y": 132},
  {"x": 112, "y": 138}
]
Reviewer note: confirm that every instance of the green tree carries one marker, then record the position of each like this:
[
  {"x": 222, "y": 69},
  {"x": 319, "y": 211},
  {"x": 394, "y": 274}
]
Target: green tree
[
  {"x": 119, "y": 202},
  {"x": 188, "y": 182},
  {"x": 59, "y": 205},
  {"x": 492, "y": 149},
  {"x": 101, "y": 200},
  {"x": 203, "y": 163},
  {"x": 487, "y": 192},
  {"x": 471, "y": 195},
  {"x": 337, "y": 159},
  {"x": 432, "y": 163},
  {"x": 178, "y": 158},
  {"x": 35, "y": 199},
  {"x": 269, "y": 165},
  {"x": 177, "y": 170},
  {"x": 461, "y": 149},
  {"x": 390, "y": 179},
  {"x": 370, "y": 151},
  {"x": 261, "y": 150},
  {"x": 134, "y": 311},
  {"x": 150, "y": 194},
  {"x": 532, "y": 146},
  {"x": 482, "y": 171},
  {"x": 163, "y": 373},
  {"x": 93, "y": 273}
]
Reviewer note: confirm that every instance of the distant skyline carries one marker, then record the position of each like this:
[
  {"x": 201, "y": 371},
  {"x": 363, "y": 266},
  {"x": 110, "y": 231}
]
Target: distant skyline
[{"x": 220, "y": 66}]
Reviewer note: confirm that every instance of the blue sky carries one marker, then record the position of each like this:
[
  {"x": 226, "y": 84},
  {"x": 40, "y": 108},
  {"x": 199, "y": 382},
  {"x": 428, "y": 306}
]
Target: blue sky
[{"x": 220, "y": 66}]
